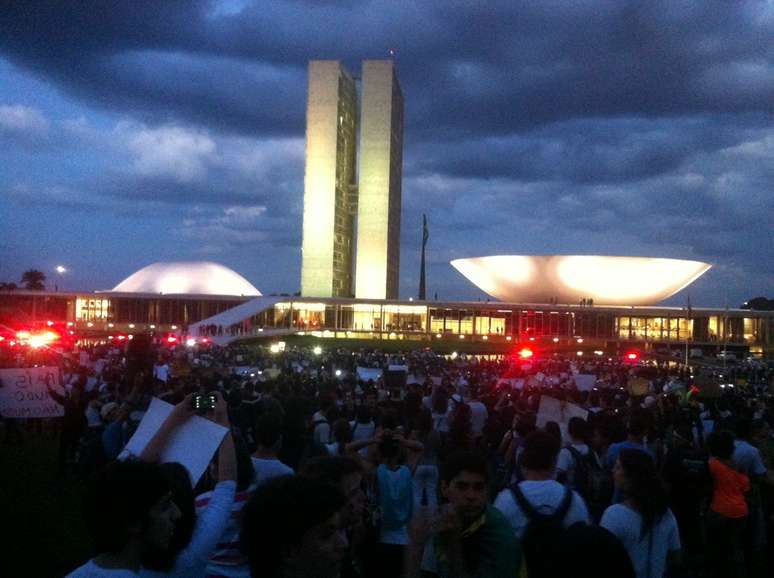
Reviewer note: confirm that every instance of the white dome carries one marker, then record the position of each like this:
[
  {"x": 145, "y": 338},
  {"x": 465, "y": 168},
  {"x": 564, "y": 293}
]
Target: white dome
[
  {"x": 569, "y": 278},
  {"x": 193, "y": 277}
]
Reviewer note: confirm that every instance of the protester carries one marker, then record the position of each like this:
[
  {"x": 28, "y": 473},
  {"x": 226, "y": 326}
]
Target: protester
[
  {"x": 293, "y": 527},
  {"x": 467, "y": 537},
  {"x": 643, "y": 522}
]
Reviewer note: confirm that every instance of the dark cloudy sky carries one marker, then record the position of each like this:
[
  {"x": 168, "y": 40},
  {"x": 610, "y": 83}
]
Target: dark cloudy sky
[{"x": 142, "y": 131}]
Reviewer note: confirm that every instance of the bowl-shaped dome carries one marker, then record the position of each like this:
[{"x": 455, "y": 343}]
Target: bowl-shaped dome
[
  {"x": 196, "y": 278},
  {"x": 570, "y": 278}
]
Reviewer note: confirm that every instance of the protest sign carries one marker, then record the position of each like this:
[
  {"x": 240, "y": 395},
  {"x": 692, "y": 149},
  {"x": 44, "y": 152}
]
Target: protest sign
[
  {"x": 192, "y": 444},
  {"x": 638, "y": 386},
  {"x": 24, "y": 393},
  {"x": 369, "y": 373},
  {"x": 398, "y": 368},
  {"x": 585, "y": 381},
  {"x": 552, "y": 409}
]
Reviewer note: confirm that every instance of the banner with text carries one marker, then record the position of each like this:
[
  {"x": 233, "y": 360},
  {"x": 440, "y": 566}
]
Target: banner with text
[{"x": 23, "y": 392}]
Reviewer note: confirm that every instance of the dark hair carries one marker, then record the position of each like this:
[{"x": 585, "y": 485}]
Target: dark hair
[
  {"x": 644, "y": 487},
  {"x": 278, "y": 515},
  {"x": 464, "y": 461},
  {"x": 139, "y": 485},
  {"x": 331, "y": 469},
  {"x": 244, "y": 464},
  {"x": 638, "y": 425},
  {"x": 268, "y": 430},
  {"x": 540, "y": 451},
  {"x": 743, "y": 428},
  {"x": 591, "y": 552},
  {"x": 578, "y": 428},
  {"x": 720, "y": 444},
  {"x": 184, "y": 498},
  {"x": 553, "y": 428},
  {"x": 342, "y": 433}
]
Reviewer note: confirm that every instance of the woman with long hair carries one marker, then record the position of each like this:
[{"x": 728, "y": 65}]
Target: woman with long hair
[{"x": 643, "y": 521}]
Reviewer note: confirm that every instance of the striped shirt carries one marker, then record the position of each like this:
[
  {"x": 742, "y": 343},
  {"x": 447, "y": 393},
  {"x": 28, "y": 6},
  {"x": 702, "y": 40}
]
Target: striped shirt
[{"x": 226, "y": 561}]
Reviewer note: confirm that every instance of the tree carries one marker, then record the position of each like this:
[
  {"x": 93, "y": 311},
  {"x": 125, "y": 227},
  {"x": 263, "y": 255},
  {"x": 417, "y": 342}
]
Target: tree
[
  {"x": 8, "y": 286},
  {"x": 759, "y": 304},
  {"x": 34, "y": 280}
]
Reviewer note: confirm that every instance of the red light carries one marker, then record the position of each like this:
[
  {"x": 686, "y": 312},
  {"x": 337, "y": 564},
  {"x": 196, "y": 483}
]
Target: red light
[
  {"x": 121, "y": 337},
  {"x": 205, "y": 340},
  {"x": 171, "y": 339},
  {"x": 632, "y": 356},
  {"x": 526, "y": 353}
]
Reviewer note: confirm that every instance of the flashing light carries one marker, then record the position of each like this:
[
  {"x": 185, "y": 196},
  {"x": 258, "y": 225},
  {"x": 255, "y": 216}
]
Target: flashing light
[
  {"x": 190, "y": 342},
  {"x": 454, "y": 355},
  {"x": 532, "y": 339},
  {"x": 89, "y": 324},
  {"x": 130, "y": 336},
  {"x": 580, "y": 340},
  {"x": 12, "y": 343},
  {"x": 274, "y": 348},
  {"x": 632, "y": 356},
  {"x": 122, "y": 337},
  {"x": 317, "y": 350},
  {"x": 579, "y": 354},
  {"x": 462, "y": 337},
  {"x": 152, "y": 326},
  {"x": 508, "y": 338},
  {"x": 338, "y": 373},
  {"x": 2, "y": 338},
  {"x": 599, "y": 353},
  {"x": 61, "y": 269},
  {"x": 174, "y": 327},
  {"x": 260, "y": 330},
  {"x": 171, "y": 339},
  {"x": 111, "y": 325},
  {"x": 20, "y": 335},
  {"x": 70, "y": 324},
  {"x": 49, "y": 323},
  {"x": 110, "y": 337},
  {"x": 526, "y": 353},
  {"x": 71, "y": 332},
  {"x": 556, "y": 340},
  {"x": 205, "y": 340},
  {"x": 485, "y": 337},
  {"x": 437, "y": 335},
  {"x": 131, "y": 326}
]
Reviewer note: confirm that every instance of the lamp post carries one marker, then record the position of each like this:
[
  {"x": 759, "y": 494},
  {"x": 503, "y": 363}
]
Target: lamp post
[{"x": 60, "y": 270}]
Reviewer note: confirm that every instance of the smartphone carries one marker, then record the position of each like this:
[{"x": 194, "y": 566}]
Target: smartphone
[{"x": 204, "y": 402}]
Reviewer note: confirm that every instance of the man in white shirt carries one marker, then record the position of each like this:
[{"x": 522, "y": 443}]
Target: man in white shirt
[
  {"x": 747, "y": 458},
  {"x": 577, "y": 448},
  {"x": 478, "y": 414},
  {"x": 268, "y": 433},
  {"x": 540, "y": 488}
]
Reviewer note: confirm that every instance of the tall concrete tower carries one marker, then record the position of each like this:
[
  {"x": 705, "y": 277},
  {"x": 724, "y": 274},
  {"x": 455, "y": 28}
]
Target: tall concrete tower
[
  {"x": 380, "y": 176},
  {"x": 330, "y": 192}
]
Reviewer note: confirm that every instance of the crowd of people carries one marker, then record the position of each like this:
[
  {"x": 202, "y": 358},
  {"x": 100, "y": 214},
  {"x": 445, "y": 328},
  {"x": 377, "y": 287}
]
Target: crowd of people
[{"x": 365, "y": 463}]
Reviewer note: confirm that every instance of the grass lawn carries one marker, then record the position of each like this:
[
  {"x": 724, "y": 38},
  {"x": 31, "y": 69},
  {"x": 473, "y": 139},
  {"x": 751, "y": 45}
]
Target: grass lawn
[{"x": 41, "y": 512}]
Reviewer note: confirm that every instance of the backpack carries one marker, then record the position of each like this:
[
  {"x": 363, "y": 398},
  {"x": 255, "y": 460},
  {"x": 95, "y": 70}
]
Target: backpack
[
  {"x": 544, "y": 532},
  {"x": 591, "y": 481}
]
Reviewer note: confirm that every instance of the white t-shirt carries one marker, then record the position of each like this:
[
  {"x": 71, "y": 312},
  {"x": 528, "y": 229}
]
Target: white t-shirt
[
  {"x": 322, "y": 431},
  {"x": 161, "y": 372},
  {"x": 545, "y": 496},
  {"x": 268, "y": 469},
  {"x": 625, "y": 523},
  {"x": 566, "y": 462},
  {"x": 478, "y": 417}
]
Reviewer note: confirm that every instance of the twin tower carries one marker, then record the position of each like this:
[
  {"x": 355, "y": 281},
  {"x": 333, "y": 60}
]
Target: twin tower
[{"x": 342, "y": 198}]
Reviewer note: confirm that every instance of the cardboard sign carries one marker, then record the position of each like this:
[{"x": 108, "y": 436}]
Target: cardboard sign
[
  {"x": 638, "y": 386},
  {"x": 193, "y": 444},
  {"x": 369, "y": 373},
  {"x": 585, "y": 381},
  {"x": 24, "y": 394},
  {"x": 552, "y": 409}
]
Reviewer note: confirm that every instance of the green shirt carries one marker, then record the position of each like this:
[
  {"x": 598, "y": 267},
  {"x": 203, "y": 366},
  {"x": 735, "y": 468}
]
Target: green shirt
[{"x": 491, "y": 551}]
